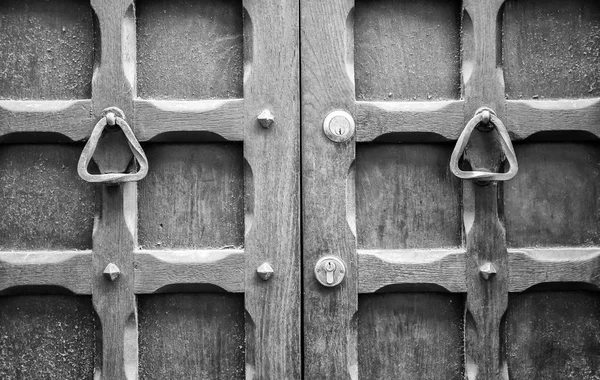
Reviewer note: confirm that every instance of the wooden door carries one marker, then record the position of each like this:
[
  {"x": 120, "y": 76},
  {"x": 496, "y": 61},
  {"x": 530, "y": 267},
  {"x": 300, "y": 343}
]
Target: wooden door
[
  {"x": 448, "y": 278},
  {"x": 191, "y": 272}
]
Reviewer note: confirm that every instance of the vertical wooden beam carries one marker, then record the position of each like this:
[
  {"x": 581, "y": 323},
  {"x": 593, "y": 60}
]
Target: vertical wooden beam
[
  {"x": 330, "y": 328},
  {"x": 487, "y": 299},
  {"x": 115, "y": 233},
  {"x": 272, "y": 151}
]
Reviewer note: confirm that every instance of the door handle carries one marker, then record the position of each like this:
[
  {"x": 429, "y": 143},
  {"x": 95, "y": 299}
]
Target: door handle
[{"x": 484, "y": 118}]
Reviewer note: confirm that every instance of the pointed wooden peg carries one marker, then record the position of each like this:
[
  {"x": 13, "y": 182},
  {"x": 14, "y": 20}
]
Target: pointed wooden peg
[
  {"x": 487, "y": 270},
  {"x": 265, "y": 271},
  {"x": 111, "y": 272},
  {"x": 266, "y": 118}
]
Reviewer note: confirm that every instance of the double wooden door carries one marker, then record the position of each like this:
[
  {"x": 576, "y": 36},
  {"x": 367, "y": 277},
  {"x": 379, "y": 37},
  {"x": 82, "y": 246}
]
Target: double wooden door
[{"x": 300, "y": 213}]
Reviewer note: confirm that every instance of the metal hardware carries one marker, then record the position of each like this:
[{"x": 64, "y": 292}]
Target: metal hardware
[
  {"x": 481, "y": 116},
  {"x": 111, "y": 115},
  {"x": 266, "y": 118},
  {"x": 330, "y": 271},
  {"x": 265, "y": 271},
  {"x": 339, "y": 126},
  {"x": 487, "y": 270},
  {"x": 111, "y": 272}
]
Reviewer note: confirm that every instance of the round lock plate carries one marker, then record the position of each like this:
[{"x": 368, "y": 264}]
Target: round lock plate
[
  {"x": 330, "y": 271},
  {"x": 339, "y": 126}
]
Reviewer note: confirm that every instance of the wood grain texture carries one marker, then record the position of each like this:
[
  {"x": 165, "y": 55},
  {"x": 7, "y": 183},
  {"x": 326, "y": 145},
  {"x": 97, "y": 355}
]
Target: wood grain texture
[
  {"x": 550, "y": 49},
  {"x": 384, "y": 267},
  {"x": 224, "y": 118},
  {"x": 330, "y": 335},
  {"x": 50, "y": 337},
  {"x": 407, "y": 50},
  {"x": 410, "y": 336},
  {"x": 46, "y": 49},
  {"x": 527, "y": 117},
  {"x": 193, "y": 197},
  {"x": 69, "y": 270},
  {"x": 555, "y": 198},
  {"x": 189, "y": 49},
  {"x": 69, "y": 118},
  {"x": 553, "y": 335},
  {"x": 157, "y": 269},
  {"x": 191, "y": 336},
  {"x": 530, "y": 267},
  {"x": 272, "y": 156},
  {"x": 43, "y": 202},
  {"x": 114, "y": 301},
  {"x": 406, "y": 197},
  {"x": 441, "y": 118}
]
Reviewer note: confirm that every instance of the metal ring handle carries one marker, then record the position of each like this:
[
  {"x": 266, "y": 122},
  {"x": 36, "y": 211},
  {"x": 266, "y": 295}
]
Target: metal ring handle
[
  {"x": 483, "y": 115},
  {"x": 92, "y": 144}
]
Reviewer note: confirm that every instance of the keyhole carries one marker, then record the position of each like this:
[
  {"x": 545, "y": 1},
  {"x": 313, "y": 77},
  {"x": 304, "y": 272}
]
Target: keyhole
[
  {"x": 339, "y": 126},
  {"x": 330, "y": 269}
]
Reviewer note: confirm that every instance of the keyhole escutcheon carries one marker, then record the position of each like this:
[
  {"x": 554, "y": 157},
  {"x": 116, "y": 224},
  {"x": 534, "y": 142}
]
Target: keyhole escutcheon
[{"x": 330, "y": 271}]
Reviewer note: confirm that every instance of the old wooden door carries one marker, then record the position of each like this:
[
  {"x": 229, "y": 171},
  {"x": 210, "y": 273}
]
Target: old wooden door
[
  {"x": 447, "y": 278},
  {"x": 191, "y": 272}
]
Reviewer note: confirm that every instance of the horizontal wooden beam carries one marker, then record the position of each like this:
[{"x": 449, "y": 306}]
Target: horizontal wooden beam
[
  {"x": 526, "y": 117},
  {"x": 442, "y": 118},
  {"x": 222, "y": 117},
  {"x": 70, "y": 118},
  {"x": 159, "y": 268},
  {"x": 529, "y": 267},
  {"x": 380, "y": 268},
  {"x": 71, "y": 270}
]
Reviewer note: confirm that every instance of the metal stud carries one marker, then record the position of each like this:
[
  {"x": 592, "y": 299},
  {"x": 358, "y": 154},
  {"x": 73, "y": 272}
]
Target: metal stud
[
  {"x": 111, "y": 272},
  {"x": 266, "y": 118},
  {"x": 487, "y": 270},
  {"x": 265, "y": 271}
]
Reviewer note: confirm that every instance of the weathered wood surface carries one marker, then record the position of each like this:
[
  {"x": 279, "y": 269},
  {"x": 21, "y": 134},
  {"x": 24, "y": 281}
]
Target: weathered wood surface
[
  {"x": 191, "y": 336},
  {"x": 330, "y": 330},
  {"x": 156, "y": 269},
  {"x": 50, "y": 337},
  {"x": 69, "y": 270},
  {"x": 222, "y": 117},
  {"x": 272, "y": 81},
  {"x": 410, "y": 336}
]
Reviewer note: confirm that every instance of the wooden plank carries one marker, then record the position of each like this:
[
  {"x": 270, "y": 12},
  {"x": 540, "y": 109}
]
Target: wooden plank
[
  {"x": 69, "y": 118},
  {"x": 191, "y": 336},
  {"x": 272, "y": 156},
  {"x": 224, "y": 117},
  {"x": 47, "y": 337},
  {"x": 526, "y": 117},
  {"x": 68, "y": 269},
  {"x": 529, "y": 267},
  {"x": 46, "y": 49},
  {"x": 156, "y": 269},
  {"x": 330, "y": 329},
  {"x": 485, "y": 236},
  {"x": 383, "y": 267},
  {"x": 189, "y": 50},
  {"x": 410, "y": 336},
  {"x": 442, "y": 118}
]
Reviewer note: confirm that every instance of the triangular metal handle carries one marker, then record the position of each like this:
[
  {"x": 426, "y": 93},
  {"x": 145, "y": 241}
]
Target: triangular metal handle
[
  {"x": 92, "y": 144},
  {"x": 507, "y": 147}
]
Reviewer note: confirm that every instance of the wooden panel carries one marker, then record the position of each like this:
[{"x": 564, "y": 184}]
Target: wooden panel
[
  {"x": 46, "y": 49},
  {"x": 189, "y": 49},
  {"x": 553, "y": 336},
  {"x": 43, "y": 202},
  {"x": 193, "y": 197},
  {"x": 407, "y": 49},
  {"x": 406, "y": 197},
  {"x": 191, "y": 336},
  {"x": 551, "y": 48},
  {"x": 46, "y": 337},
  {"x": 555, "y": 198},
  {"x": 410, "y": 336}
]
